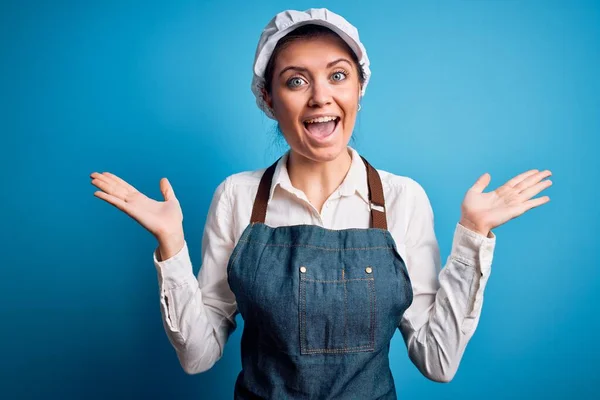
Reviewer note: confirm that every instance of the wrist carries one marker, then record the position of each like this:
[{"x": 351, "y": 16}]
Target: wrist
[
  {"x": 169, "y": 245},
  {"x": 484, "y": 231}
]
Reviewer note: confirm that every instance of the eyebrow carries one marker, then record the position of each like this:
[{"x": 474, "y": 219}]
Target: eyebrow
[{"x": 331, "y": 64}]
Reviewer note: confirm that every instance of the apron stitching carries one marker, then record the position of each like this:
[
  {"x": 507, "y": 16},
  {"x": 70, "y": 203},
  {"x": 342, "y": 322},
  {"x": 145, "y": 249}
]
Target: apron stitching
[
  {"x": 316, "y": 247},
  {"x": 345, "y": 310},
  {"x": 373, "y": 311},
  {"x": 303, "y": 314},
  {"x": 239, "y": 250},
  {"x": 365, "y": 347},
  {"x": 338, "y": 281}
]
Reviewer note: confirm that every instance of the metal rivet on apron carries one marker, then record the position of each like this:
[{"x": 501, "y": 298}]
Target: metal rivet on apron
[
  {"x": 303, "y": 269},
  {"x": 368, "y": 270}
]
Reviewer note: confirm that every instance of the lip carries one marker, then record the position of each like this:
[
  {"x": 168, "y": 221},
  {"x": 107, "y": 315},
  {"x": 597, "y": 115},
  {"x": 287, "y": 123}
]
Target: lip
[
  {"x": 326, "y": 139},
  {"x": 319, "y": 116}
]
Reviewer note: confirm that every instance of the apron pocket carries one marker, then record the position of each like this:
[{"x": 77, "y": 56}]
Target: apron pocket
[{"x": 337, "y": 316}]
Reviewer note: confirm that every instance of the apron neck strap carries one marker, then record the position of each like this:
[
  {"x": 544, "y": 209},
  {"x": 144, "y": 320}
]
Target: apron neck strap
[{"x": 376, "y": 199}]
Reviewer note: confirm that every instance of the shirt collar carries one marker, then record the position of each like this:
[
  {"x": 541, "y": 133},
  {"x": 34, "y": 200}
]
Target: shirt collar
[{"x": 354, "y": 182}]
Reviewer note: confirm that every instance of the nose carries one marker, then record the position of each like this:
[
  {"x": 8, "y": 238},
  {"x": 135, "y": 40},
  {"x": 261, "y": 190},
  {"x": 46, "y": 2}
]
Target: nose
[{"x": 320, "y": 94}]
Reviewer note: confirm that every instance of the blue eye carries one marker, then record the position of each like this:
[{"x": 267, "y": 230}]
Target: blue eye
[
  {"x": 339, "y": 76},
  {"x": 295, "y": 82}
]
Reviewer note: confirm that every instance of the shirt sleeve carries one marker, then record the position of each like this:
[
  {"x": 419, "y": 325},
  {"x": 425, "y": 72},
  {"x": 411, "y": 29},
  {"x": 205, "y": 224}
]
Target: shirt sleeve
[
  {"x": 199, "y": 312},
  {"x": 445, "y": 311}
]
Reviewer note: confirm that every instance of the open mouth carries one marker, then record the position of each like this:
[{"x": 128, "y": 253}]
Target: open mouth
[{"x": 321, "y": 127}]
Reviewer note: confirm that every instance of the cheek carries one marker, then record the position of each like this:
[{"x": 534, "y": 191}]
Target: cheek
[
  {"x": 348, "y": 101},
  {"x": 348, "y": 98},
  {"x": 287, "y": 107},
  {"x": 288, "y": 104}
]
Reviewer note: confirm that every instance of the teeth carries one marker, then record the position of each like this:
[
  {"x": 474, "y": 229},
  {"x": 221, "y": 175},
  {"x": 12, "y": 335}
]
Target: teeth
[{"x": 320, "y": 119}]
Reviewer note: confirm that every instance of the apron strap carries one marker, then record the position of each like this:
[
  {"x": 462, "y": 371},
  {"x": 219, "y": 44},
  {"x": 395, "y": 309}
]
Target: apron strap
[
  {"x": 376, "y": 199},
  {"x": 259, "y": 211}
]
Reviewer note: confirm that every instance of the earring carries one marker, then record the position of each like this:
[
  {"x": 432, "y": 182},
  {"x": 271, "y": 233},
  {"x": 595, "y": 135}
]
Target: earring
[{"x": 358, "y": 106}]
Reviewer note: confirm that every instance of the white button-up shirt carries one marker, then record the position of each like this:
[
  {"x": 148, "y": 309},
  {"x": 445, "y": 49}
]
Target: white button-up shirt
[{"x": 199, "y": 312}]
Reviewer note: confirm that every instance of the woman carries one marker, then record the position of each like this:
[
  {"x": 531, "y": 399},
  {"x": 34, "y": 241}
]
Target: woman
[{"x": 322, "y": 254}]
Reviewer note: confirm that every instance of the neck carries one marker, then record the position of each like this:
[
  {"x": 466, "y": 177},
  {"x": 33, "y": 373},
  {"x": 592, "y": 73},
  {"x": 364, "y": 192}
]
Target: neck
[{"x": 318, "y": 180}]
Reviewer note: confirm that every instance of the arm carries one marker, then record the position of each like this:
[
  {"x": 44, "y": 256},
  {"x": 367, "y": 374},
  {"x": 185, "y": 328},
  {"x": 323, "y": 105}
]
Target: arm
[
  {"x": 199, "y": 313},
  {"x": 445, "y": 312}
]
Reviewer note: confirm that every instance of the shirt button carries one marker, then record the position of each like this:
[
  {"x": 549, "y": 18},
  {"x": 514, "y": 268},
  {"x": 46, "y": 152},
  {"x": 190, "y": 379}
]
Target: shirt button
[
  {"x": 368, "y": 270},
  {"x": 303, "y": 269}
]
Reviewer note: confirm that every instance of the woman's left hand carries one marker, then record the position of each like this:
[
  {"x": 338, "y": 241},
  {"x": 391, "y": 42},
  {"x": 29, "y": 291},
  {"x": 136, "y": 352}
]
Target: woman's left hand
[{"x": 482, "y": 212}]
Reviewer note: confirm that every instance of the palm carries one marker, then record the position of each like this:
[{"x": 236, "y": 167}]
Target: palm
[
  {"x": 492, "y": 209},
  {"x": 158, "y": 217}
]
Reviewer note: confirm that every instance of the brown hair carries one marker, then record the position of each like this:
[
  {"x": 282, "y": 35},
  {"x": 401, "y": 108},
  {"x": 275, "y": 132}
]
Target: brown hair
[{"x": 308, "y": 31}]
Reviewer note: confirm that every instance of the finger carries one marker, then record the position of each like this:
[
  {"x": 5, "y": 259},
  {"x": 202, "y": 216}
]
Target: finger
[
  {"x": 110, "y": 188},
  {"x": 481, "y": 183},
  {"x": 115, "y": 201},
  {"x": 528, "y": 205},
  {"x": 517, "y": 179},
  {"x": 532, "y": 180},
  {"x": 535, "y": 189},
  {"x": 166, "y": 189},
  {"x": 119, "y": 181},
  {"x": 101, "y": 177}
]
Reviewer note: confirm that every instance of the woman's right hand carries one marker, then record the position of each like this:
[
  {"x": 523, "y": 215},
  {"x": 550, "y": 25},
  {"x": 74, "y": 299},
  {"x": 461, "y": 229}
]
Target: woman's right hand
[{"x": 164, "y": 219}]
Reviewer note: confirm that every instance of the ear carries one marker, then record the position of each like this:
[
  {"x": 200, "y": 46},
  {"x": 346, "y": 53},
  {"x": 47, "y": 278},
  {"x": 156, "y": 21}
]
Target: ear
[{"x": 267, "y": 98}]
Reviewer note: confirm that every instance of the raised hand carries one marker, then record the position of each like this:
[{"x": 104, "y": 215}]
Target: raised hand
[
  {"x": 162, "y": 218},
  {"x": 482, "y": 212}
]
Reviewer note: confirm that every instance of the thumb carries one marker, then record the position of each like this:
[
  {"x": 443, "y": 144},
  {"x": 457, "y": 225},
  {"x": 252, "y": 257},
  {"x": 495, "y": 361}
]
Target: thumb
[
  {"x": 167, "y": 190},
  {"x": 481, "y": 183}
]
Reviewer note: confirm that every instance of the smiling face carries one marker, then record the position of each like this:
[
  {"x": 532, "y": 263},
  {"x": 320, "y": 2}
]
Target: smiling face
[{"x": 314, "y": 95}]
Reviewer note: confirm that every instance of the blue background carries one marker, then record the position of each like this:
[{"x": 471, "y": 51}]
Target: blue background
[{"x": 147, "y": 90}]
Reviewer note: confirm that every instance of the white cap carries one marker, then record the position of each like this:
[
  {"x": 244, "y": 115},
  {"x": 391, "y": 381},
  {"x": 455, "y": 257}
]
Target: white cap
[{"x": 287, "y": 21}]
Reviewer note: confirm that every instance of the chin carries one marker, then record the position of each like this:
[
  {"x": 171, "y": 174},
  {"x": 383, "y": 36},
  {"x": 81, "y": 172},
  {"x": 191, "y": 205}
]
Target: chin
[{"x": 323, "y": 152}]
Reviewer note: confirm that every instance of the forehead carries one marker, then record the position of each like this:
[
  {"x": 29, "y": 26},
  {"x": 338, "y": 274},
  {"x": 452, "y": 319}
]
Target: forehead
[{"x": 313, "y": 52}]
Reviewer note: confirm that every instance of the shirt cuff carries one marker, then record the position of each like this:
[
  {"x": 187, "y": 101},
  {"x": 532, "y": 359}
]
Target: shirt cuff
[
  {"x": 176, "y": 270},
  {"x": 473, "y": 248}
]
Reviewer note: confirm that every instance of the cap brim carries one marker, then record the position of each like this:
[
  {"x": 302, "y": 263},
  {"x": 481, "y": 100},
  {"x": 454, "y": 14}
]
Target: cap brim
[{"x": 262, "y": 61}]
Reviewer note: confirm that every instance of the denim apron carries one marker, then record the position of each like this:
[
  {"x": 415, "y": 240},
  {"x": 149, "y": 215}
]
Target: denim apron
[{"x": 320, "y": 306}]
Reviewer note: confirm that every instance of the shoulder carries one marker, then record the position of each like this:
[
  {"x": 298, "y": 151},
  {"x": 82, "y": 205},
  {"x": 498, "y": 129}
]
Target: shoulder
[
  {"x": 404, "y": 197},
  {"x": 245, "y": 178},
  {"x": 406, "y": 201},
  {"x": 239, "y": 188},
  {"x": 400, "y": 185},
  {"x": 236, "y": 194},
  {"x": 241, "y": 182}
]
